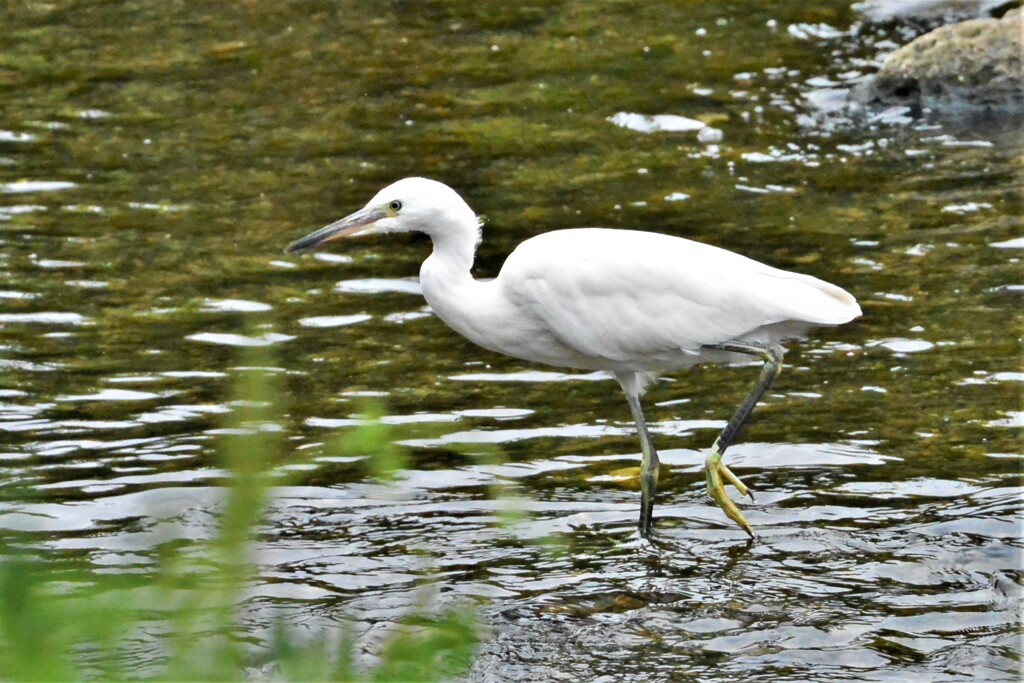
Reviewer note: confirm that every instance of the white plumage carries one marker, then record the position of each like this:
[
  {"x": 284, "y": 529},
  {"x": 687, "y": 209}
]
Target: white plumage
[
  {"x": 629, "y": 302},
  {"x": 641, "y": 301}
]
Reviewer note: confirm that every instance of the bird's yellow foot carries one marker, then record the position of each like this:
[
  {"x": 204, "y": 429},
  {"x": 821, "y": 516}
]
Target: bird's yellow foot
[{"x": 717, "y": 474}]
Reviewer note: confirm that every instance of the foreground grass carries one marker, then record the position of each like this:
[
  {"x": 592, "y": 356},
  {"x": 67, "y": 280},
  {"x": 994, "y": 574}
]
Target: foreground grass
[{"x": 65, "y": 622}]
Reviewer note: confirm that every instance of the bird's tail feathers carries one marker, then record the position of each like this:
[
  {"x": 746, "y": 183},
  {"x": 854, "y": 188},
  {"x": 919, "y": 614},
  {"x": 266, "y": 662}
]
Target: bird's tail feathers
[{"x": 808, "y": 299}]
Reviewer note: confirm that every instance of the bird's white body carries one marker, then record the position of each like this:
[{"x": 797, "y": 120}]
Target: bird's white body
[
  {"x": 632, "y": 303},
  {"x": 628, "y": 301}
]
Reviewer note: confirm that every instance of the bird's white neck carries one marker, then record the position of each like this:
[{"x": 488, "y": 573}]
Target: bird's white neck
[
  {"x": 445, "y": 276},
  {"x": 455, "y": 232},
  {"x": 455, "y": 247}
]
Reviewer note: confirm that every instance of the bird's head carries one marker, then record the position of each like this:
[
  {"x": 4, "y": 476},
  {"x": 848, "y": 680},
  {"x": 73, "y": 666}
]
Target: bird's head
[{"x": 409, "y": 205}]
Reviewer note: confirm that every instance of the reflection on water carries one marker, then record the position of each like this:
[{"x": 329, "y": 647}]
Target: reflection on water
[{"x": 146, "y": 192}]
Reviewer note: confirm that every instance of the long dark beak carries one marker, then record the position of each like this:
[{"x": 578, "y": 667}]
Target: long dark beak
[{"x": 349, "y": 226}]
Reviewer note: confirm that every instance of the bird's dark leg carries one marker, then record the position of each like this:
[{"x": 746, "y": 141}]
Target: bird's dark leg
[
  {"x": 714, "y": 469},
  {"x": 648, "y": 467}
]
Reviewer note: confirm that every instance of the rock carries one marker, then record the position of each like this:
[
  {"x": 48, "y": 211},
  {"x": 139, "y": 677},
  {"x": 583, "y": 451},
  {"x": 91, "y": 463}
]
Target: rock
[
  {"x": 975, "y": 64},
  {"x": 931, "y": 11}
]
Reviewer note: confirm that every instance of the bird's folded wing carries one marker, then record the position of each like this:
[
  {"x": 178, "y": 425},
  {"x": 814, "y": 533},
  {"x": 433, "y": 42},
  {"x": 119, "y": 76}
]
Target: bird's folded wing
[{"x": 621, "y": 295}]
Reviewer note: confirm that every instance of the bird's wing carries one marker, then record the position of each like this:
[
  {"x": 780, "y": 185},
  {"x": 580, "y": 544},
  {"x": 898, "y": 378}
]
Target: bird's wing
[{"x": 620, "y": 294}]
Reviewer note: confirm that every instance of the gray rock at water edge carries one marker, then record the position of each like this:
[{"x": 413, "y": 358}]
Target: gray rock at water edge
[
  {"x": 927, "y": 11},
  {"x": 975, "y": 65}
]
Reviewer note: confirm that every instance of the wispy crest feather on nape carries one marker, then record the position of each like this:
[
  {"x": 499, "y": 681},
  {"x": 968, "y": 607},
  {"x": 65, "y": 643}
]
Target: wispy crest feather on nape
[{"x": 479, "y": 230}]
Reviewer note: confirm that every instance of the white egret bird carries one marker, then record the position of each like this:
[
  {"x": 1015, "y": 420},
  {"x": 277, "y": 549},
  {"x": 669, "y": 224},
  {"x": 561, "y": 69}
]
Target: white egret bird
[{"x": 632, "y": 303}]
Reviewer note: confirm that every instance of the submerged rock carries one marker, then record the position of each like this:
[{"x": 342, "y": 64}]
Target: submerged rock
[{"x": 974, "y": 64}]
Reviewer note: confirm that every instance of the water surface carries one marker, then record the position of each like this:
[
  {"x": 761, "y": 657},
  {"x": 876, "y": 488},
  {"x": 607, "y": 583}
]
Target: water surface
[{"x": 155, "y": 159}]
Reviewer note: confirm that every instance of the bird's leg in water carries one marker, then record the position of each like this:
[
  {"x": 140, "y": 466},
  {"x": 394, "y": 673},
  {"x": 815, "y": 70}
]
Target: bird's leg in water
[
  {"x": 648, "y": 467},
  {"x": 713, "y": 467}
]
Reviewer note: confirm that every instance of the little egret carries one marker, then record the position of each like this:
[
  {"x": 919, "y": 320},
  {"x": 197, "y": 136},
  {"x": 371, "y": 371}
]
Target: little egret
[{"x": 631, "y": 303}]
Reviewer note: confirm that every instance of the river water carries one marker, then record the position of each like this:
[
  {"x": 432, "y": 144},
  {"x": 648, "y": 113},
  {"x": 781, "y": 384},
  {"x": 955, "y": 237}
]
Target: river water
[{"x": 155, "y": 158}]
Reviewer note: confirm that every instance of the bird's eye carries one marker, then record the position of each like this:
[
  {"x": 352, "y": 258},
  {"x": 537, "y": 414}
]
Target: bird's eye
[{"x": 395, "y": 205}]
